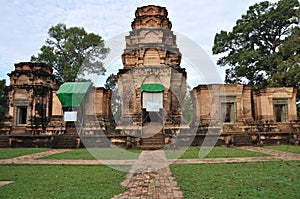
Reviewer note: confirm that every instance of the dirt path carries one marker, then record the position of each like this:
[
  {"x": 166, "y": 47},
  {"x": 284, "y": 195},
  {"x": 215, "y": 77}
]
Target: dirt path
[
  {"x": 276, "y": 153},
  {"x": 2, "y": 183},
  {"x": 31, "y": 157},
  {"x": 276, "y": 156},
  {"x": 42, "y": 154}
]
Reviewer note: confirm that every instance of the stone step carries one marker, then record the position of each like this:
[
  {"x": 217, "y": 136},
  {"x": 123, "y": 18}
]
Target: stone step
[
  {"x": 152, "y": 137},
  {"x": 152, "y": 143},
  {"x": 150, "y": 134},
  {"x": 161, "y": 139},
  {"x": 152, "y": 147},
  {"x": 65, "y": 141},
  {"x": 4, "y": 142},
  {"x": 158, "y": 135},
  {"x": 144, "y": 143}
]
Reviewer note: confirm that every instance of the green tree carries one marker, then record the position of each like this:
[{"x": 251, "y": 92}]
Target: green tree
[
  {"x": 254, "y": 49},
  {"x": 73, "y": 53},
  {"x": 3, "y": 101},
  {"x": 288, "y": 63},
  {"x": 112, "y": 84}
]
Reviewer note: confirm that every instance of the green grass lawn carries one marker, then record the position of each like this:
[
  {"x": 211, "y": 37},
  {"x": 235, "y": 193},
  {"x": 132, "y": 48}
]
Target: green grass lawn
[
  {"x": 12, "y": 153},
  {"x": 60, "y": 181},
  {"x": 96, "y": 153},
  {"x": 242, "y": 180},
  {"x": 216, "y": 152},
  {"x": 285, "y": 148}
]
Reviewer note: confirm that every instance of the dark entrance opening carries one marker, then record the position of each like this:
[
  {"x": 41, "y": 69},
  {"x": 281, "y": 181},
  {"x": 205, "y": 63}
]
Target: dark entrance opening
[
  {"x": 280, "y": 112},
  {"x": 227, "y": 112},
  {"x": 22, "y": 116}
]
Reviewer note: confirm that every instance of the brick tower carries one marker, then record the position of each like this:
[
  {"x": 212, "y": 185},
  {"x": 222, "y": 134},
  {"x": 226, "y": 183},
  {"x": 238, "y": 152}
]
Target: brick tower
[
  {"x": 30, "y": 98},
  {"x": 152, "y": 85}
]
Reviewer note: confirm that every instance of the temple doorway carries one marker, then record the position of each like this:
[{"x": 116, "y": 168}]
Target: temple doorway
[{"x": 152, "y": 103}]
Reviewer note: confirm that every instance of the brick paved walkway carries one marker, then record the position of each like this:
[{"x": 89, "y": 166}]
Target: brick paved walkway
[{"x": 150, "y": 177}]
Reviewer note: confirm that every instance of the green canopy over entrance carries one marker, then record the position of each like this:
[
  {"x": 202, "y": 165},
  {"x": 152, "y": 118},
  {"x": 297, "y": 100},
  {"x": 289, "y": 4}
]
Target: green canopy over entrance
[
  {"x": 72, "y": 93},
  {"x": 152, "y": 88}
]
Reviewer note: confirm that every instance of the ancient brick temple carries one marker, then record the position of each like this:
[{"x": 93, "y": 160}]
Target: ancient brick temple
[
  {"x": 241, "y": 116},
  {"x": 152, "y": 87},
  {"x": 237, "y": 103},
  {"x": 35, "y": 115},
  {"x": 30, "y": 98}
]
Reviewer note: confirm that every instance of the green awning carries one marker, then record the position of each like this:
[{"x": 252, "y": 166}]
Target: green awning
[
  {"x": 152, "y": 88},
  {"x": 72, "y": 93}
]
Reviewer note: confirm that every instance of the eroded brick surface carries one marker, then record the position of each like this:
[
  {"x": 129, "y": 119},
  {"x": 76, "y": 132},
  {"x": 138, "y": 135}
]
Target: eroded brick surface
[{"x": 155, "y": 184}]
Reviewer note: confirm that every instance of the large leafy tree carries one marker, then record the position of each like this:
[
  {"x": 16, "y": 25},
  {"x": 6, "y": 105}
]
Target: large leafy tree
[
  {"x": 3, "y": 100},
  {"x": 288, "y": 70},
  {"x": 288, "y": 62},
  {"x": 263, "y": 47},
  {"x": 73, "y": 53}
]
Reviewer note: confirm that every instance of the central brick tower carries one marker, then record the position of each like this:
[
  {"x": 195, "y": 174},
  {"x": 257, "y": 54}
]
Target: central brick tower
[{"x": 152, "y": 85}]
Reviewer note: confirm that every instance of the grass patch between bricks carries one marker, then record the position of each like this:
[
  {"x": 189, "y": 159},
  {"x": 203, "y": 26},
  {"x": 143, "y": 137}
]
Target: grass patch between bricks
[
  {"x": 96, "y": 154},
  {"x": 16, "y": 152},
  {"x": 216, "y": 152},
  {"x": 285, "y": 148},
  {"x": 60, "y": 181},
  {"x": 239, "y": 180}
]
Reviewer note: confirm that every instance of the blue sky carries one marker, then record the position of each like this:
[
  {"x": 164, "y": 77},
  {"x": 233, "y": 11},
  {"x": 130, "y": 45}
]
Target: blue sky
[{"x": 24, "y": 24}]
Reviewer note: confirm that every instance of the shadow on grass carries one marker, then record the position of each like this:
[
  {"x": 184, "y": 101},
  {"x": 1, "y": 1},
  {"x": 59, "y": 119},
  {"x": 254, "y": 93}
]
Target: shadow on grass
[{"x": 16, "y": 152}]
